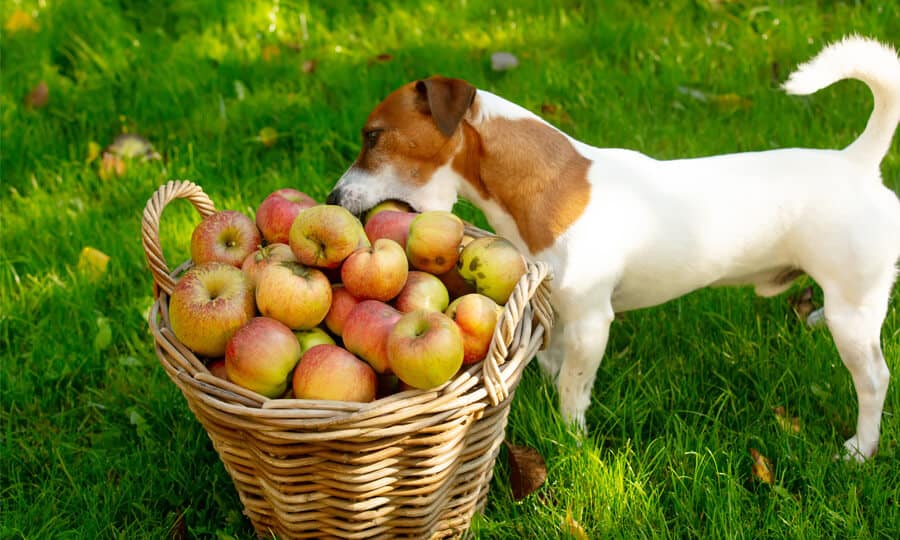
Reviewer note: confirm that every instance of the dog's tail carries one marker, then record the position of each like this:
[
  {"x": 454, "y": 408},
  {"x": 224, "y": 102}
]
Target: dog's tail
[{"x": 875, "y": 64}]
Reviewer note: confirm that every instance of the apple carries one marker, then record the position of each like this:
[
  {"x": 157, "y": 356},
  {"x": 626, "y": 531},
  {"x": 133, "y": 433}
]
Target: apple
[
  {"x": 390, "y": 224},
  {"x": 433, "y": 241},
  {"x": 277, "y": 212},
  {"x": 324, "y": 235},
  {"x": 254, "y": 264},
  {"x": 366, "y": 330},
  {"x": 456, "y": 285},
  {"x": 227, "y": 236},
  {"x": 342, "y": 302},
  {"x": 207, "y": 306},
  {"x": 312, "y": 337},
  {"x": 425, "y": 348},
  {"x": 261, "y": 355},
  {"x": 217, "y": 368},
  {"x": 377, "y": 272},
  {"x": 476, "y": 316},
  {"x": 388, "y": 205},
  {"x": 422, "y": 291},
  {"x": 294, "y": 294},
  {"x": 330, "y": 372},
  {"x": 493, "y": 266}
]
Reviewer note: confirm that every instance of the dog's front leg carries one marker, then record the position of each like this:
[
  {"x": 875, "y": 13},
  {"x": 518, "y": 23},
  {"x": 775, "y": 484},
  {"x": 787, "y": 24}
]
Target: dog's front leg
[
  {"x": 585, "y": 334},
  {"x": 551, "y": 358}
]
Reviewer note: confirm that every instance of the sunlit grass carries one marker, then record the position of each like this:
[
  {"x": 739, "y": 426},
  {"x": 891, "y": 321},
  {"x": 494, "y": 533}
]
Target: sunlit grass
[{"x": 98, "y": 443}]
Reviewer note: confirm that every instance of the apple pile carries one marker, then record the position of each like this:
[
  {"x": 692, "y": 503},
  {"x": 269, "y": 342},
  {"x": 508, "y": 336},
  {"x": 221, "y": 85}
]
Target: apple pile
[{"x": 310, "y": 302}]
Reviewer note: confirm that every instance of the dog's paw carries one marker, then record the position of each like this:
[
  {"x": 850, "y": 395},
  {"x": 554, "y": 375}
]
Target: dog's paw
[{"x": 853, "y": 452}]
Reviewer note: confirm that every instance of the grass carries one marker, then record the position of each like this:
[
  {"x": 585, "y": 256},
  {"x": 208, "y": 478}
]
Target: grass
[{"x": 98, "y": 443}]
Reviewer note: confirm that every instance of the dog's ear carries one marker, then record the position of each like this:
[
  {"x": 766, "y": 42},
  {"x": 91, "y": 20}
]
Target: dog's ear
[{"x": 447, "y": 100}]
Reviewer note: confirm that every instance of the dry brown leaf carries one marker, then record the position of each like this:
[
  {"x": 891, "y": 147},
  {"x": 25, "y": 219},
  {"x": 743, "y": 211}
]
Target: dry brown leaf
[
  {"x": 527, "y": 471},
  {"x": 762, "y": 468},
  {"x": 787, "y": 423},
  {"x": 111, "y": 166},
  {"x": 730, "y": 102},
  {"x": 381, "y": 58},
  {"x": 308, "y": 66},
  {"x": 573, "y": 528},
  {"x": 38, "y": 96},
  {"x": 270, "y": 52},
  {"x": 803, "y": 303}
]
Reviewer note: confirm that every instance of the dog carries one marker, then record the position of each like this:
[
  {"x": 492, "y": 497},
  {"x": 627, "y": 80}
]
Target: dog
[{"x": 623, "y": 231}]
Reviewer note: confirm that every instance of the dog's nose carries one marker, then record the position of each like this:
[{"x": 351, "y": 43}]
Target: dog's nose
[{"x": 334, "y": 197}]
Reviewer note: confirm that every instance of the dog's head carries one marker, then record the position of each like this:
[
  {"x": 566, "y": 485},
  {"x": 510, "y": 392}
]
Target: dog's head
[{"x": 409, "y": 143}]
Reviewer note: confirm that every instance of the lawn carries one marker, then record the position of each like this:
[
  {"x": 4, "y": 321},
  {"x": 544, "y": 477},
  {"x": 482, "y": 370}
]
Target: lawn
[{"x": 244, "y": 97}]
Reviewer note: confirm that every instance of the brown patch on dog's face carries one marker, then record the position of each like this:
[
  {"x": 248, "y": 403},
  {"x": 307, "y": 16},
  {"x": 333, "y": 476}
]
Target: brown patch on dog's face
[{"x": 531, "y": 170}]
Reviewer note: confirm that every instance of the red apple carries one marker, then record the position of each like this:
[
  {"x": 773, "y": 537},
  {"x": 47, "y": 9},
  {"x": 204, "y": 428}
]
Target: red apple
[
  {"x": 294, "y": 294},
  {"x": 261, "y": 355},
  {"x": 422, "y": 291},
  {"x": 324, "y": 235},
  {"x": 208, "y": 304},
  {"x": 377, "y": 272},
  {"x": 366, "y": 329},
  {"x": 388, "y": 205},
  {"x": 277, "y": 212},
  {"x": 342, "y": 302},
  {"x": 456, "y": 285},
  {"x": 330, "y": 372},
  {"x": 390, "y": 224},
  {"x": 312, "y": 337},
  {"x": 433, "y": 241},
  {"x": 227, "y": 236},
  {"x": 425, "y": 349},
  {"x": 217, "y": 368},
  {"x": 477, "y": 316},
  {"x": 264, "y": 256},
  {"x": 493, "y": 266}
]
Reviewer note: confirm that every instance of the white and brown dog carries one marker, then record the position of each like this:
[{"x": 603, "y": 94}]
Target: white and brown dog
[{"x": 623, "y": 231}]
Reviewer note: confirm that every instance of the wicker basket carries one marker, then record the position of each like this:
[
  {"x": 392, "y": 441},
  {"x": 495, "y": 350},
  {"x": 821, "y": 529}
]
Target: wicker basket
[{"x": 417, "y": 464}]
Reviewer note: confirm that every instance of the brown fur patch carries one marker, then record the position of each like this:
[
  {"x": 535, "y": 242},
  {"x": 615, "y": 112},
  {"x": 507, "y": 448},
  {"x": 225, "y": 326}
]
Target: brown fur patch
[
  {"x": 409, "y": 141},
  {"x": 531, "y": 170}
]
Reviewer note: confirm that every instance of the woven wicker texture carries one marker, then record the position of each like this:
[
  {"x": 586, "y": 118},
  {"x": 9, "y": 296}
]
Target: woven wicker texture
[{"x": 417, "y": 464}]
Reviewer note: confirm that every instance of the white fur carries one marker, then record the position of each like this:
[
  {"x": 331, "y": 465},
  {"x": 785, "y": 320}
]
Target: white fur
[{"x": 655, "y": 230}]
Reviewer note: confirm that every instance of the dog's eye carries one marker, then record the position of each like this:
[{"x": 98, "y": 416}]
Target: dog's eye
[{"x": 371, "y": 137}]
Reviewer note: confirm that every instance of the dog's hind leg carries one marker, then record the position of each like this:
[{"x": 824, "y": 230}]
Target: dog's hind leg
[
  {"x": 584, "y": 340},
  {"x": 855, "y": 323}
]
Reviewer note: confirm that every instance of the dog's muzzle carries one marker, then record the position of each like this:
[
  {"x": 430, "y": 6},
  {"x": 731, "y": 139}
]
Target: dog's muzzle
[{"x": 335, "y": 197}]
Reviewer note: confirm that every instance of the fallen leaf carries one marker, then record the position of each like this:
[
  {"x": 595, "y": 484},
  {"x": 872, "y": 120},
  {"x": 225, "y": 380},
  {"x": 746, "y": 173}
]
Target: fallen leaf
[
  {"x": 308, "y": 66},
  {"x": 762, "y": 468},
  {"x": 730, "y": 102},
  {"x": 268, "y": 136},
  {"x": 38, "y": 96},
  {"x": 92, "y": 262},
  {"x": 381, "y": 58},
  {"x": 549, "y": 108},
  {"x": 270, "y": 52},
  {"x": 111, "y": 166},
  {"x": 787, "y": 423},
  {"x": 103, "y": 338},
  {"x": 527, "y": 471},
  {"x": 573, "y": 528},
  {"x": 93, "y": 151},
  {"x": 20, "y": 20},
  {"x": 178, "y": 530},
  {"x": 132, "y": 145},
  {"x": 503, "y": 61}
]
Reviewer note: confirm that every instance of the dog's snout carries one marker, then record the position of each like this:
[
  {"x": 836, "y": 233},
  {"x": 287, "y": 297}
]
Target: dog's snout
[{"x": 334, "y": 197}]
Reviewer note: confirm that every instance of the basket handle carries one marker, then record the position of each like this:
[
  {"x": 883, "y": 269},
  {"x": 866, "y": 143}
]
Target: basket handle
[
  {"x": 533, "y": 287},
  {"x": 172, "y": 190}
]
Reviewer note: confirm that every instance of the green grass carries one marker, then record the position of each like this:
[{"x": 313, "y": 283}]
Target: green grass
[{"x": 98, "y": 443}]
